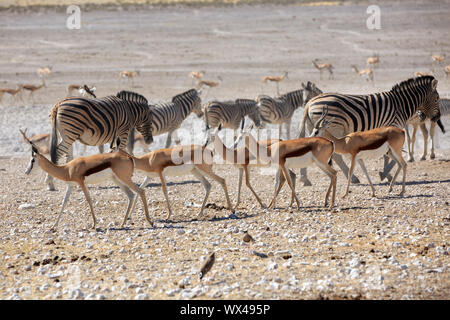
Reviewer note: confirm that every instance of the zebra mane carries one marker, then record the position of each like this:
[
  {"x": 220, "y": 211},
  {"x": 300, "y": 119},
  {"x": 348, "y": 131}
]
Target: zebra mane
[
  {"x": 242, "y": 101},
  {"x": 413, "y": 82},
  {"x": 189, "y": 93},
  {"x": 132, "y": 96},
  {"x": 295, "y": 92}
]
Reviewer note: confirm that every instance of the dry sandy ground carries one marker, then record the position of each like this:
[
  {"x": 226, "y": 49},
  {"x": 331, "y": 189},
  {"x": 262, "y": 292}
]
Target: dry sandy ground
[{"x": 380, "y": 248}]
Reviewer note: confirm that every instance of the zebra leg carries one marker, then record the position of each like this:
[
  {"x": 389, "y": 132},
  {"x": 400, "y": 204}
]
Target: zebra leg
[
  {"x": 363, "y": 167},
  {"x": 424, "y": 130},
  {"x": 66, "y": 198},
  {"x": 432, "y": 133},
  {"x": 101, "y": 148},
  {"x": 175, "y": 137},
  {"x": 408, "y": 142},
  {"x": 288, "y": 129},
  {"x": 169, "y": 139},
  {"x": 387, "y": 167},
  {"x": 340, "y": 162}
]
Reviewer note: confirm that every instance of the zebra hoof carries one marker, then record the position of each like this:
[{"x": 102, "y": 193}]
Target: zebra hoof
[
  {"x": 423, "y": 158},
  {"x": 306, "y": 182},
  {"x": 411, "y": 160},
  {"x": 432, "y": 156},
  {"x": 51, "y": 188},
  {"x": 355, "y": 180}
]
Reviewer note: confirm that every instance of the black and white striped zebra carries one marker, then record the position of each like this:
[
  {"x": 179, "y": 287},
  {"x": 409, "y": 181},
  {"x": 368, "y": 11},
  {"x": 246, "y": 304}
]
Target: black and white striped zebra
[
  {"x": 352, "y": 113},
  {"x": 168, "y": 116},
  {"x": 95, "y": 122},
  {"x": 231, "y": 114},
  {"x": 280, "y": 110}
]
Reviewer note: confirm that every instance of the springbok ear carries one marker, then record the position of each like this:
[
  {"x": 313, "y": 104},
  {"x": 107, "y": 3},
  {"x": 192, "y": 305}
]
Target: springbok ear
[{"x": 434, "y": 84}]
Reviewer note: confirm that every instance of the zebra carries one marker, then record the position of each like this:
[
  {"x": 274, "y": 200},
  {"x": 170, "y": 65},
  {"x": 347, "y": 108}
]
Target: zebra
[
  {"x": 95, "y": 122},
  {"x": 168, "y": 116},
  {"x": 280, "y": 110},
  {"x": 352, "y": 113},
  {"x": 231, "y": 114},
  {"x": 444, "y": 107}
]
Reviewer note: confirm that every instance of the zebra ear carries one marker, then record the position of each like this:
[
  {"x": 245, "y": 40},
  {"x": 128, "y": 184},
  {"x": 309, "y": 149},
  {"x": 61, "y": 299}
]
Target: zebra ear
[
  {"x": 303, "y": 86},
  {"x": 199, "y": 92},
  {"x": 434, "y": 84}
]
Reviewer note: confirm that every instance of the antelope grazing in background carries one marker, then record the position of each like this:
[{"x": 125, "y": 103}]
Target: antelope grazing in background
[
  {"x": 95, "y": 122},
  {"x": 209, "y": 84},
  {"x": 366, "y": 73},
  {"x": 276, "y": 79},
  {"x": 32, "y": 88},
  {"x": 370, "y": 144},
  {"x": 44, "y": 72},
  {"x": 422, "y": 74},
  {"x": 280, "y": 110},
  {"x": 436, "y": 58},
  {"x": 444, "y": 106},
  {"x": 13, "y": 92},
  {"x": 373, "y": 61},
  {"x": 118, "y": 166},
  {"x": 196, "y": 75},
  {"x": 291, "y": 154},
  {"x": 353, "y": 113},
  {"x": 322, "y": 66},
  {"x": 130, "y": 75},
  {"x": 180, "y": 161},
  {"x": 447, "y": 70},
  {"x": 168, "y": 116},
  {"x": 231, "y": 114}
]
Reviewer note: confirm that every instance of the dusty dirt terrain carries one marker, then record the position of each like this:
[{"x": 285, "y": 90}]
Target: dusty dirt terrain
[{"x": 387, "y": 247}]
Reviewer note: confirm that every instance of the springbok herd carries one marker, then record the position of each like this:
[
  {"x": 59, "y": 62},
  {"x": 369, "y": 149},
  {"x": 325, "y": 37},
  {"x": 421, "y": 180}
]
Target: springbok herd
[{"x": 334, "y": 125}]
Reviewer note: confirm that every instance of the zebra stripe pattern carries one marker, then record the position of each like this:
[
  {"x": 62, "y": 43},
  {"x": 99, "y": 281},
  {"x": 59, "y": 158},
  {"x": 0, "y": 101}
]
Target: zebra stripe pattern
[
  {"x": 280, "y": 110},
  {"x": 95, "y": 122},
  {"x": 231, "y": 114},
  {"x": 352, "y": 113},
  {"x": 444, "y": 107},
  {"x": 168, "y": 116}
]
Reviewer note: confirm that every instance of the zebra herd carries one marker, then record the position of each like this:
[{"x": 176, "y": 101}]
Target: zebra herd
[{"x": 113, "y": 119}]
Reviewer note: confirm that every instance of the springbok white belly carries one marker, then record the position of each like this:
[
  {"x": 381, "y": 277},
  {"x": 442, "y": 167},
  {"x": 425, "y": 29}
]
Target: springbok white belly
[
  {"x": 180, "y": 170},
  {"x": 99, "y": 177},
  {"x": 373, "y": 154}
]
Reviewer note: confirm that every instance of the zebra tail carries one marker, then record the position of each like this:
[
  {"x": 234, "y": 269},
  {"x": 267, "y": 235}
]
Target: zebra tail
[{"x": 54, "y": 136}]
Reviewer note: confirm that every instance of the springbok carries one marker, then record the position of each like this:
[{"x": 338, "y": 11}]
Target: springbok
[
  {"x": 447, "y": 70},
  {"x": 276, "y": 79},
  {"x": 118, "y": 166},
  {"x": 369, "y": 144},
  {"x": 179, "y": 161},
  {"x": 321, "y": 66},
  {"x": 242, "y": 159},
  {"x": 373, "y": 60},
  {"x": 130, "y": 75},
  {"x": 296, "y": 153},
  {"x": 367, "y": 73},
  {"x": 422, "y": 74}
]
